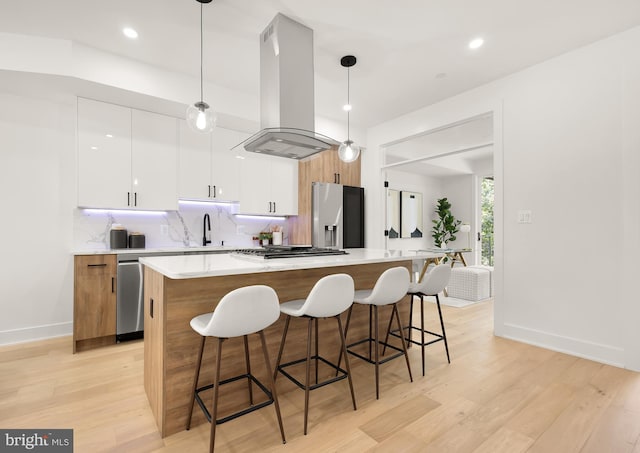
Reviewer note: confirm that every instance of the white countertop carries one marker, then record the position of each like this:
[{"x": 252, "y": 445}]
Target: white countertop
[
  {"x": 193, "y": 249},
  {"x": 213, "y": 265}
]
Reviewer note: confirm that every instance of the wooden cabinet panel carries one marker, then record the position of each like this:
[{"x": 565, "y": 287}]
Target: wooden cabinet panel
[{"x": 94, "y": 305}]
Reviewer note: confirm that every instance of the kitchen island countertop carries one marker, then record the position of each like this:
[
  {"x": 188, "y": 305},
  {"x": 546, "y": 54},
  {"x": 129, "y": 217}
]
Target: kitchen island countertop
[{"x": 213, "y": 265}]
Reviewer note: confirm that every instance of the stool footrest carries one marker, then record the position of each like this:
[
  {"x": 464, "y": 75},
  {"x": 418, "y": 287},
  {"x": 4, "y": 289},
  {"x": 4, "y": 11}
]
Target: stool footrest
[
  {"x": 342, "y": 374},
  {"x": 382, "y": 343},
  {"x": 230, "y": 417},
  {"x": 419, "y": 343}
]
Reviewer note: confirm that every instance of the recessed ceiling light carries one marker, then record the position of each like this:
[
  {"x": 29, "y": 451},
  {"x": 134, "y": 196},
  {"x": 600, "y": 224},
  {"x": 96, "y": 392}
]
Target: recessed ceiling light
[
  {"x": 346, "y": 107},
  {"x": 476, "y": 43},
  {"x": 109, "y": 136},
  {"x": 130, "y": 32}
]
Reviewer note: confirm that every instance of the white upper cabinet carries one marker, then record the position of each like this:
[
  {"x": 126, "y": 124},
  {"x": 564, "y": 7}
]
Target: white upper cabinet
[
  {"x": 269, "y": 185},
  {"x": 209, "y": 170},
  {"x": 154, "y": 160},
  {"x": 127, "y": 158},
  {"x": 104, "y": 155}
]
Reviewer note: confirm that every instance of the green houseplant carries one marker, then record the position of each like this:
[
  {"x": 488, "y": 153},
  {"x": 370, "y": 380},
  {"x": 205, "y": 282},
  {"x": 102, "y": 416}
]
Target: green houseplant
[{"x": 445, "y": 226}]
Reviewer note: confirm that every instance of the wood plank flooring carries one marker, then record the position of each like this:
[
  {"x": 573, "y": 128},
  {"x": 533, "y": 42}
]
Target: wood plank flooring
[{"x": 495, "y": 396}]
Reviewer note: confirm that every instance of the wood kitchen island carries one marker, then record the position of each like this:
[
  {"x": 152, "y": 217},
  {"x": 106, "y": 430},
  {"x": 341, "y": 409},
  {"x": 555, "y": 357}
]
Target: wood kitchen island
[{"x": 177, "y": 288}]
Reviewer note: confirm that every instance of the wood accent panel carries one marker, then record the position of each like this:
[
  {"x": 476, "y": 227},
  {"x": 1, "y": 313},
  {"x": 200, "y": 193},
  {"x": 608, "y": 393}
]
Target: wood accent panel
[
  {"x": 94, "y": 300},
  {"x": 321, "y": 167},
  {"x": 92, "y": 343},
  {"x": 154, "y": 319},
  {"x": 178, "y": 344}
]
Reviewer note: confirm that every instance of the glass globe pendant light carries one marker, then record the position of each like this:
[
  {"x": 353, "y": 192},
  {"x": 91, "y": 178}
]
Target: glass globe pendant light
[
  {"x": 348, "y": 151},
  {"x": 199, "y": 117}
]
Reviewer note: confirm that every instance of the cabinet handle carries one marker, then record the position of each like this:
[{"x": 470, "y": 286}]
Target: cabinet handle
[
  {"x": 135, "y": 198},
  {"x": 214, "y": 191},
  {"x": 269, "y": 206},
  {"x": 128, "y": 198},
  {"x": 151, "y": 308},
  {"x": 338, "y": 178},
  {"x": 209, "y": 186},
  {"x": 97, "y": 265},
  {"x": 112, "y": 284},
  {"x": 274, "y": 206},
  {"x": 335, "y": 178}
]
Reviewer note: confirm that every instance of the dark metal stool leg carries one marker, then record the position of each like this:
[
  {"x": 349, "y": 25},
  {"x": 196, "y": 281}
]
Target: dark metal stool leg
[
  {"x": 316, "y": 327},
  {"x": 247, "y": 359},
  {"x": 216, "y": 386},
  {"x": 346, "y": 329},
  {"x": 376, "y": 341},
  {"x": 195, "y": 382},
  {"x": 272, "y": 384},
  {"x": 444, "y": 334},
  {"x": 404, "y": 343},
  {"x": 370, "y": 332},
  {"x": 308, "y": 378},
  {"x": 346, "y": 360},
  {"x": 284, "y": 337},
  {"x": 422, "y": 329}
]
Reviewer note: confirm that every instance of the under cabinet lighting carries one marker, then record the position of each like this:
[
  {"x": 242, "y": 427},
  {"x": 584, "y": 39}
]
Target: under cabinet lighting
[
  {"x": 260, "y": 217},
  {"x": 123, "y": 211},
  {"x": 205, "y": 203}
]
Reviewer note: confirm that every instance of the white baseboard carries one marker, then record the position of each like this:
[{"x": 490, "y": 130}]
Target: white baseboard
[
  {"x": 597, "y": 352},
  {"x": 36, "y": 333}
]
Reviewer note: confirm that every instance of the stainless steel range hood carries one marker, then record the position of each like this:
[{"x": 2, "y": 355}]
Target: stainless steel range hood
[{"x": 287, "y": 116}]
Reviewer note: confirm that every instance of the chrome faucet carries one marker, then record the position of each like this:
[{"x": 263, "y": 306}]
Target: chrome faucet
[{"x": 206, "y": 228}]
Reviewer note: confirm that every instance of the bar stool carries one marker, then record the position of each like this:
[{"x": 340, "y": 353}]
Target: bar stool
[
  {"x": 389, "y": 289},
  {"x": 329, "y": 297},
  {"x": 239, "y": 313},
  {"x": 433, "y": 283}
]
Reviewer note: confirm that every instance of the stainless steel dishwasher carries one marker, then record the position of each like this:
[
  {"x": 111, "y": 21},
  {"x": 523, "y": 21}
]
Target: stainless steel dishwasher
[{"x": 129, "y": 302}]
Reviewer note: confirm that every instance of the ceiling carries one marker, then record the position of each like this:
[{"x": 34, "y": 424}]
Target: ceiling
[{"x": 411, "y": 53}]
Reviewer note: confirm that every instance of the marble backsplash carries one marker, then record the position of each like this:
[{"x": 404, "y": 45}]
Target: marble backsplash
[{"x": 172, "y": 228}]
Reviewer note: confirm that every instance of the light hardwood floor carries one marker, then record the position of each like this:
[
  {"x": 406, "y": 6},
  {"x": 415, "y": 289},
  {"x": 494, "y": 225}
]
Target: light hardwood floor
[{"x": 496, "y": 396}]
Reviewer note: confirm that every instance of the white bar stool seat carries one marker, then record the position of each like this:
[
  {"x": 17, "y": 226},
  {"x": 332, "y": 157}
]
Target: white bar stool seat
[
  {"x": 329, "y": 297},
  {"x": 239, "y": 313},
  {"x": 389, "y": 289}
]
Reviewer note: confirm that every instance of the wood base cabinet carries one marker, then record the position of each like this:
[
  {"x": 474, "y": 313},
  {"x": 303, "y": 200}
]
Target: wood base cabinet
[{"x": 94, "y": 301}]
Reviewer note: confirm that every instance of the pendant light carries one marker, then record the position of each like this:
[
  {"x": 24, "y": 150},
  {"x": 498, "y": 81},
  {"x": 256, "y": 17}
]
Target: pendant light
[
  {"x": 348, "y": 151},
  {"x": 199, "y": 116}
]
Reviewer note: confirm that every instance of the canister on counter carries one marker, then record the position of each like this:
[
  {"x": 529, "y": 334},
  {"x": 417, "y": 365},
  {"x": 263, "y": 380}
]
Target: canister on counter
[
  {"x": 118, "y": 237},
  {"x": 136, "y": 240}
]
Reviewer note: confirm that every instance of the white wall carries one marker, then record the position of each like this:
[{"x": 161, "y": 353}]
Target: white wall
[
  {"x": 566, "y": 147},
  {"x": 37, "y": 190},
  {"x": 460, "y": 192}
]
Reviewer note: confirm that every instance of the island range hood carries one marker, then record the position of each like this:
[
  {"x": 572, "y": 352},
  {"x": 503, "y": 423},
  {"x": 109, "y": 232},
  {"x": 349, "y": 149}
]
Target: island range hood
[{"x": 287, "y": 117}]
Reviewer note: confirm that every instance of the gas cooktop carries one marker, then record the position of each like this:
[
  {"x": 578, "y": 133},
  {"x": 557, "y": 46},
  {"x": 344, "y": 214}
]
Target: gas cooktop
[{"x": 289, "y": 251}]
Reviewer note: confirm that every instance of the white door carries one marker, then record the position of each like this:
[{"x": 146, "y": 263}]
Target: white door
[
  {"x": 225, "y": 165},
  {"x": 104, "y": 155},
  {"x": 154, "y": 173},
  {"x": 194, "y": 175}
]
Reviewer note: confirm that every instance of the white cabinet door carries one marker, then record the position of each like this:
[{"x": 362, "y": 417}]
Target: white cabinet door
[
  {"x": 255, "y": 185},
  {"x": 194, "y": 180},
  {"x": 269, "y": 186},
  {"x": 284, "y": 186},
  {"x": 225, "y": 166},
  {"x": 154, "y": 161},
  {"x": 104, "y": 155}
]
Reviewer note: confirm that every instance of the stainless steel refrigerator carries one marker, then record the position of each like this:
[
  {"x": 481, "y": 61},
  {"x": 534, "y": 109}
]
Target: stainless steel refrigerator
[{"x": 338, "y": 216}]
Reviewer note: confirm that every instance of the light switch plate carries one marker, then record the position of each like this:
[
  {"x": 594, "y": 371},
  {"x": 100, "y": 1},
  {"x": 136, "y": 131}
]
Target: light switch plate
[{"x": 524, "y": 216}]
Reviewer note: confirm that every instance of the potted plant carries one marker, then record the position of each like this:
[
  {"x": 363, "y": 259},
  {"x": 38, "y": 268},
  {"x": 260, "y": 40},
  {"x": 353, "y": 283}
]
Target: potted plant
[
  {"x": 445, "y": 226},
  {"x": 265, "y": 237}
]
